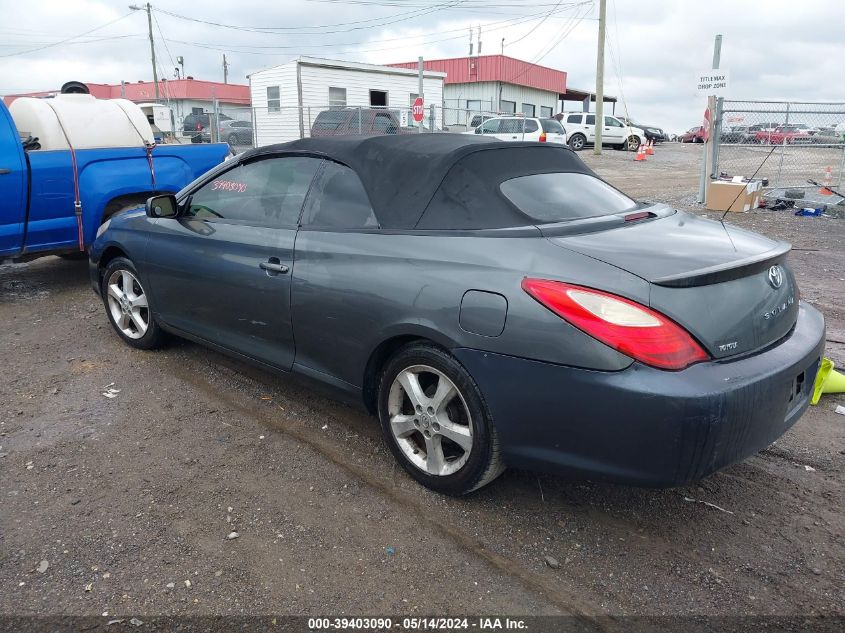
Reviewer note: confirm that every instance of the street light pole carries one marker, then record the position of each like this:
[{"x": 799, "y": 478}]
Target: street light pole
[
  {"x": 600, "y": 79},
  {"x": 149, "y": 9}
]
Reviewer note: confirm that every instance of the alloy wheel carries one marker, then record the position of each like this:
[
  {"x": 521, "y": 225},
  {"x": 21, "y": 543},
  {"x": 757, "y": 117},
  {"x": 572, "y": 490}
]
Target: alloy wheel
[
  {"x": 128, "y": 304},
  {"x": 430, "y": 420}
]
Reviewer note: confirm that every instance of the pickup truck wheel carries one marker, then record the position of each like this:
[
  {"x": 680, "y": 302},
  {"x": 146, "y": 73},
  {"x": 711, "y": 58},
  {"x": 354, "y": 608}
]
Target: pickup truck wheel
[
  {"x": 436, "y": 422},
  {"x": 128, "y": 306}
]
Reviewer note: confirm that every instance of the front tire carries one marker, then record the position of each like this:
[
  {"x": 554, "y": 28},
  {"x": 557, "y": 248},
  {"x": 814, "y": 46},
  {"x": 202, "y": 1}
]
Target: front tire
[
  {"x": 633, "y": 143},
  {"x": 127, "y": 305},
  {"x": 436, "y": 422}
]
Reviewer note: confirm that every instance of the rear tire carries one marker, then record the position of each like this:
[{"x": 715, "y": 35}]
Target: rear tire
[
  {"x": 128, "y": 307},
  {"x": 436, "y": 422},
  {"x": 577, "y": 142}
]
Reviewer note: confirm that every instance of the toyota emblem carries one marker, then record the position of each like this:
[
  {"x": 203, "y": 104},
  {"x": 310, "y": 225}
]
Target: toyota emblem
[{"x": 776, "y": 276}]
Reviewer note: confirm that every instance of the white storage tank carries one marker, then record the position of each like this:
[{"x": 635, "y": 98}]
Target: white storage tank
[{"x": 88, "y": 122}]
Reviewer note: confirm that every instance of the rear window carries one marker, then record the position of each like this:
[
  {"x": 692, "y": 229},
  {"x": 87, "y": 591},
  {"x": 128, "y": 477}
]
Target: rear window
[
  {"x": 558, "y": 197},
  {"x": 330, "y": 119},
  {"x": 551, "y": 126}
]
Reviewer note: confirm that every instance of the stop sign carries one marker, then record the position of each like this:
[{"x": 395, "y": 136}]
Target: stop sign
[
  {"x": 418, "y": 110},
  {"x": 707, "y": 124}
]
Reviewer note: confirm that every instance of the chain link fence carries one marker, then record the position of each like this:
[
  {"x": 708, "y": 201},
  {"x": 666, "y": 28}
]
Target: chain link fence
[
  {"x": 785, "y": 143},
  {"x": 245, "y": 128}
]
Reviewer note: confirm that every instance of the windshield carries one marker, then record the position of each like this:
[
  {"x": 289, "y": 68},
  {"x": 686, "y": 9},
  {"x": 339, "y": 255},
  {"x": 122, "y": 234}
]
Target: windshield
[{"x": 562, "y": 196}]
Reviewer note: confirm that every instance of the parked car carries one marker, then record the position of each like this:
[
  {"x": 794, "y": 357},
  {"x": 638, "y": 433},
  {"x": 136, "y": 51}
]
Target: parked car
[
  {"x": 736, "y": 134},
  {"x": 786, "y": 134},
  {"x": 194, "y": 123},
  {"x": 357, "y": 121},
  {"x": 494, "y": 303},
  {"x": 39, "y": 214},
  {"x": 235, "y": 132},
  {"x": 828, "y": 136},
  {"x": 652, "y": 132},
  {"x": 693, "y": 135},
  {"x": 581, "y": 130},
  {"x": 520, "y": 128}
]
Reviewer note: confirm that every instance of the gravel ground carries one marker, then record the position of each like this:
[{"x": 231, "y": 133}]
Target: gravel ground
[{"x": 123, "y": 505}]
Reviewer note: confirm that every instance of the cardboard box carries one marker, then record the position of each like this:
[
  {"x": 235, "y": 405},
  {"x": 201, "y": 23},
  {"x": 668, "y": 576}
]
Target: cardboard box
[{"x": 723, "y": 195}]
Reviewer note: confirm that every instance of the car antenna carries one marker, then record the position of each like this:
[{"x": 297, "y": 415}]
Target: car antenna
[{"x": 759, "y": 167}]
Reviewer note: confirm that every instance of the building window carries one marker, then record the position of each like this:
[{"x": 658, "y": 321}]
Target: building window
[
  {"x": 508, "y": 107},
  {"x": 528, "y": 109},
  {"x": 378, "y": 98},
  {"x": 274, "y": 101},
  {"x": 546, "y": 112},
  {"x": 474, "y": 106},
  {"x": 337, "y": 97},
  {"x": 413, "y": 97}
]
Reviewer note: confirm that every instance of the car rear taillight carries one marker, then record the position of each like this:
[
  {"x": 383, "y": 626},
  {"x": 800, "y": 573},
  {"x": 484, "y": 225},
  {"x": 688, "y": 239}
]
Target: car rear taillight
[
  {"x": 626, "y": 326},
  {"x": 542, "y": 137}
]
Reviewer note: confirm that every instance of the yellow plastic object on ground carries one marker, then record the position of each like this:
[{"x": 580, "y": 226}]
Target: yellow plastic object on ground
[{"x": 827, "y": 381}]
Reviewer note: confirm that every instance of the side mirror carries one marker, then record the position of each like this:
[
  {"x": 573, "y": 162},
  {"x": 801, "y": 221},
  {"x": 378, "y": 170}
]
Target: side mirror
[
  {"x": 164, "y": 206},
  {"x": 478, "y": 130}
]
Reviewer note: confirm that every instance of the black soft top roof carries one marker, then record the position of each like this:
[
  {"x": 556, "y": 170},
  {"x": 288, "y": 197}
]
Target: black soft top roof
[{"x": 402, "y": 173}]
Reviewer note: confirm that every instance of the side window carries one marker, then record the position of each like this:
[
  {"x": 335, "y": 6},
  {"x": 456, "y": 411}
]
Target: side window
[
  {"x": 338, "y": 201},
  {"x": 267, "y": 192},
  {"x": 609, "y": 121},
  {"x": 531, "y": 125},
  {"x": 573, "y": 118},
  {"x": 510, "y": 126},
  {"x": 591, "y": 119},
  {"x": 490, "y": 127},
  {"x": 384, "y": 123}
]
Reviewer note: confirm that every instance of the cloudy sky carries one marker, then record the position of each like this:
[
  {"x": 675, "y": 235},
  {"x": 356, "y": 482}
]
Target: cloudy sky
[{"x": 774, "y": 49}]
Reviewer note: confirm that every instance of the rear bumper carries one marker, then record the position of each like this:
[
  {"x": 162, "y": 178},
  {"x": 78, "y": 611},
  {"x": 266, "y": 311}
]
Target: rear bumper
[{"x": 645, "y": 426}]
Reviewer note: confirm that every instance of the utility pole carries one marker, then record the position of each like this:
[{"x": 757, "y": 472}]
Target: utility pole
[
  {"x": 149, "y": 9},
  {"x": 225, "y": 70},
  {"x": 600, "y": 78}
]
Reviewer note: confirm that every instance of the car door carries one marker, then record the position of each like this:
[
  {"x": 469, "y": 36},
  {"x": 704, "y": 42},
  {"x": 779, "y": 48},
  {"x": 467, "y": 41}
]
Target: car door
[
  {"x": 614, "y": 131},
  {"x": 590, "y": 127},
  {"x": 334, "y": 299},
  {"x": 221, "y": 270}
]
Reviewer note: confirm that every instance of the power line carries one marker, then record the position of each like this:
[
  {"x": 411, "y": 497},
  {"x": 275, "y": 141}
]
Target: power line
[
  {"x": 244, "y": 48},
  {"x": 41, "y": 48},
  {"x": 299, "y": 31}
]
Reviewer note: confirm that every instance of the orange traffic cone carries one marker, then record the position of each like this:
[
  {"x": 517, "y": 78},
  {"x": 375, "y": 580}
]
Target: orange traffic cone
[
  {"x": 649, "y": 148},
  {"x": 641, "y": 152},
  {"x": 828, "y": 181}
]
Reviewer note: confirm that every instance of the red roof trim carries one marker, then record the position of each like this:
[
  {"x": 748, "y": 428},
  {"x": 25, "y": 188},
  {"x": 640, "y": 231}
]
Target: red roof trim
[{"x": 461, "y": 70}]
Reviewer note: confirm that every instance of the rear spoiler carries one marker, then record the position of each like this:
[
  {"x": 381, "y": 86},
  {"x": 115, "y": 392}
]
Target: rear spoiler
[{"x": 726, "y": 272}]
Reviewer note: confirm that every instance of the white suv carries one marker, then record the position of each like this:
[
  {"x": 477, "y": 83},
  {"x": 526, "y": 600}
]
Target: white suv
[
  {"x": 582, "y": 131},
  {"x": 520, "y": 128}
]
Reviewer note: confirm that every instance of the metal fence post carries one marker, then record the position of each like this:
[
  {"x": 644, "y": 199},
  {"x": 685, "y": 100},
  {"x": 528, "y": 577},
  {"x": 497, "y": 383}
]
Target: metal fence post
[
  {"x": 717, "y": 138},
  {"x": 309, "y": 120},
  {"x": 359, "y": 119},
  {"x": 214, "y": 124},
  {"x": 782, "y": 147},
  {"x": 255, "y": 127}
]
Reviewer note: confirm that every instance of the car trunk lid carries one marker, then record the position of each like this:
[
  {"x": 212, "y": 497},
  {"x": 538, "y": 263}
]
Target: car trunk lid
[{"x": 729, "y": 288}]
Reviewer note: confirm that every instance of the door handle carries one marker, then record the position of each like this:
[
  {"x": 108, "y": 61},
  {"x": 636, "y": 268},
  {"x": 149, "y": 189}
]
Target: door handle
[
  {"x": 4, "y": 171},
  {"x": 273, "y": 266}
]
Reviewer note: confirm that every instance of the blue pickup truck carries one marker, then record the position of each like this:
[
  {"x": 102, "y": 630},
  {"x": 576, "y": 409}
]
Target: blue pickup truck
[{"x": 38, "y": 191}]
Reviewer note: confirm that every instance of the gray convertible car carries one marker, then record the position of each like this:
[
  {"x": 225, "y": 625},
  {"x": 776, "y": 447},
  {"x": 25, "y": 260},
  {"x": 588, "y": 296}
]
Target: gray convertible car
[{"x": 493, "y": 303}]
